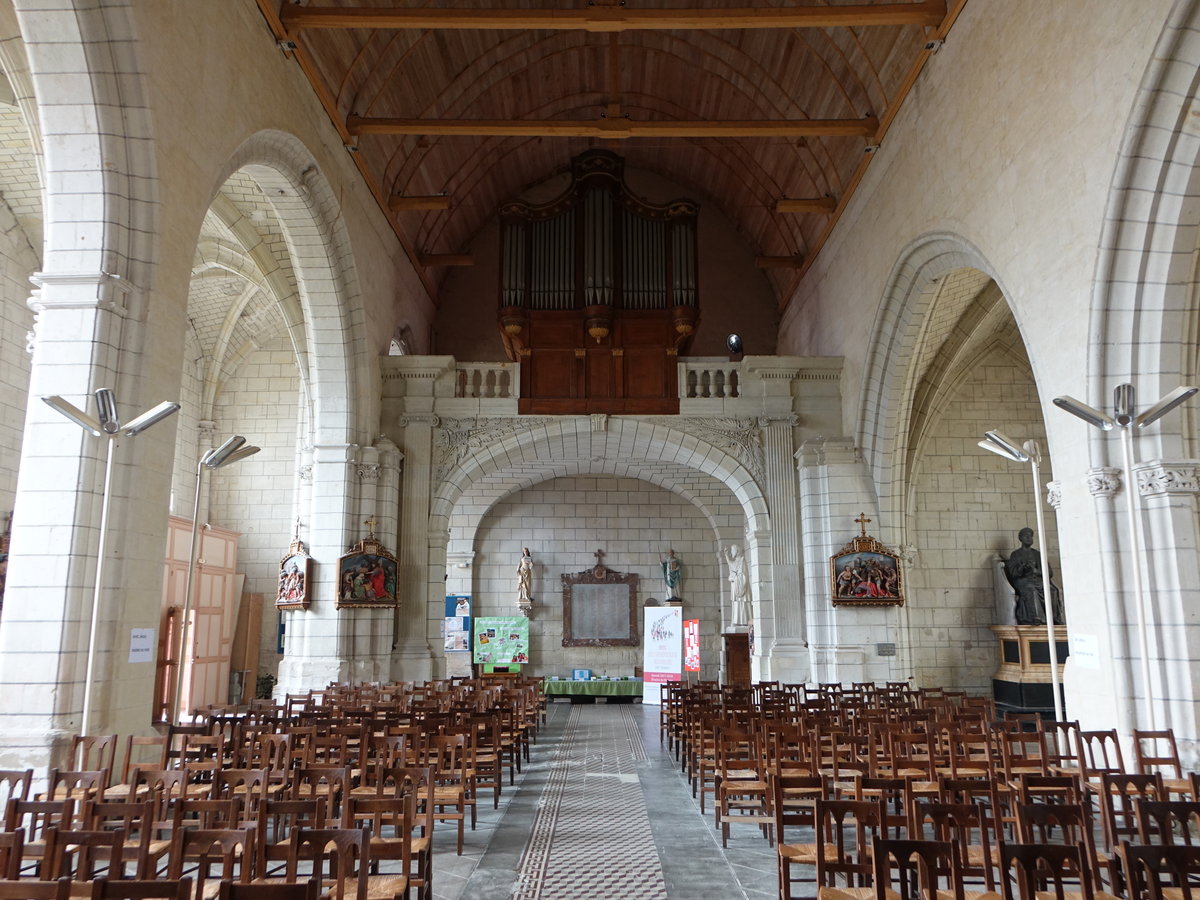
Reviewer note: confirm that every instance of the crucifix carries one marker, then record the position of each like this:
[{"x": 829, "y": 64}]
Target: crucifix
[
  {"x": 598, "y": 570},
  {"x": 371, "y": 523},
  {"x": 862, "y": 521},
  {"x": 296, "y": 531}
]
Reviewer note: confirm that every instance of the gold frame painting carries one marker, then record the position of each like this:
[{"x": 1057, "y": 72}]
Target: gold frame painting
[{"x": 866, "y": 573}]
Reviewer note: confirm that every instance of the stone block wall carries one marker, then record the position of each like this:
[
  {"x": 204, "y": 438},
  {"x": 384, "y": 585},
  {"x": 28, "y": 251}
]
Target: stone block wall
[
  {"x": 968, "y": 505},
  {"x": 563, "y": 522}
]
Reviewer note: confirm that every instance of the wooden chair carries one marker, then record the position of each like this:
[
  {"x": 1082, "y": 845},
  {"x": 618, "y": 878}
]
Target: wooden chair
[
  {"x": 276, "y": 821},
  {"x": 846, "y": 831},
  {"x": 36, "y": 818},
  {"x": 1031, "y": 788},
  {"x": 388, "y": 822},
  {"x": 231, "y": 850},
  {"x": 207, "y": 814},
  {"x": 136, "y": 821},
  {"x": 94, "y": 752},
  {"x": 151, "y": 889},
  {"x": 897, "y": 797},
  {"x": 250, "y": 786},
  {"x": 82, "y": 855},
  {"x": 1043, "y": 871},
  {"x": 793, "y": 806},
  {"x": 1167, "y": 821},
  {"x": 303, "y": 890},
  {"x": 77, "y": 785},
  {"x": 1069, "y": 824},
  {"x": 333, "y": 783},
  {"x": 1099, "y": 754},
  {"x": 348, "y": 855},
  {"x": 963, "y": 825},
  {"x": 454, "y": 780},
  {"x": 916, "y": 870},
  {"x": 741, "y": 787},
  {"x": 1157, "y": 752},
  {"x": 12, "y": 845},
  {"x": 1118, "y": 795},
  {"x": 1162, "y": 871},
  {"x": 30, "y": 889},
  {"x": 14, "y": 784}
]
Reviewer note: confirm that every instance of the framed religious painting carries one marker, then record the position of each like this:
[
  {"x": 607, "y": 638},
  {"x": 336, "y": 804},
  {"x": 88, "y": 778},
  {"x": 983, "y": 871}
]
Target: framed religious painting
[
  {"x": 295, "y": 575},
  {"x": 367, "y": 575},
  {"x": 866, "y": 573}
]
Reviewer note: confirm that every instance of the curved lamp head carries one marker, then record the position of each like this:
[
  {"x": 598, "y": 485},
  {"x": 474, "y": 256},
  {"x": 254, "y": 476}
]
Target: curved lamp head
[
  {"x": 74, "y": 413},
  {"x": 106, "y": 411},
  {"x": 1089, "y": 414},
  {"x": 150, "y": 417},
  {"x": 1002, "y": 445},
  {"x": 1166, "y": 404}
]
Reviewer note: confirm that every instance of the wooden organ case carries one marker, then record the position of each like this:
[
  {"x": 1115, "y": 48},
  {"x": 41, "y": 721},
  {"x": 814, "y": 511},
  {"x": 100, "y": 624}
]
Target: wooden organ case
[{"x": 598, "y": 295}]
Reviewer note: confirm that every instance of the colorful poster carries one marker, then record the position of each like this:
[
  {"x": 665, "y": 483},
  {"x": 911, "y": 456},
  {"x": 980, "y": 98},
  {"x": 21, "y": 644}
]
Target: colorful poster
[
  {"x": 691, "y": 645},
  {"x": 501, "y": 640},
  {"x": 663, "y": 651},
  {"x": 456, "y": 627}
]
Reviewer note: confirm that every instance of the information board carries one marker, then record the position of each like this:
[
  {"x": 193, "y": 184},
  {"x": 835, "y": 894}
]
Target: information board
[
  {"x": 500, "y": 640},
  {"x": 456, "y": 630},
  {"x": 663, "y": 653}
]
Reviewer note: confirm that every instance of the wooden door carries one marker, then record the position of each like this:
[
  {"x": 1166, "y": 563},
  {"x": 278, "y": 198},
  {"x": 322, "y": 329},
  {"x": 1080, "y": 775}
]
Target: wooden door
[
  {"x": 215, "y": 589},
  {"x": 737, "y": 659}
]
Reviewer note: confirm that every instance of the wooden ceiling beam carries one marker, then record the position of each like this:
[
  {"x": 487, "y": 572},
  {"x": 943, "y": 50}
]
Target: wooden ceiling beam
[
  {"x": 806, "y": 205},
  {"x": 615, "y": 19},
  {"x": 779, "y": 262},
  {"x": 399, "y": 203},
  {"x": 429, "y": 260},
  {"x": 614, "y": 129}
]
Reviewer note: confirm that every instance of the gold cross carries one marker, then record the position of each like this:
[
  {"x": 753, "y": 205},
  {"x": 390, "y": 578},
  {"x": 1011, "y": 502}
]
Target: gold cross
[
  {"x": 862, "y": 521},
  {"x": 370, "y": 523}
]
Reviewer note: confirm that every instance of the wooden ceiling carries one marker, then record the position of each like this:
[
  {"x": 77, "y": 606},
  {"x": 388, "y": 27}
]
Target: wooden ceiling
[{"x": 769, "y": 111}]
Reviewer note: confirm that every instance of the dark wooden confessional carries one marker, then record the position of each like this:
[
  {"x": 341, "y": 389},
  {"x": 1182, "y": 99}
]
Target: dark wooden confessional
[{"x": 598, "y": 295}]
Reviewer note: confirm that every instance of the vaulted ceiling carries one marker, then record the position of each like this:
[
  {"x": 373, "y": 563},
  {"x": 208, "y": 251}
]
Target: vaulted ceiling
[{"x": 770, "y": 111}]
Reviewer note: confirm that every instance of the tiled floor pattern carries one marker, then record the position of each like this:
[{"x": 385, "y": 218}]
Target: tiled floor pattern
[
  {"x": 592, "y": 837},
  {"x": 601, "y": 811}
]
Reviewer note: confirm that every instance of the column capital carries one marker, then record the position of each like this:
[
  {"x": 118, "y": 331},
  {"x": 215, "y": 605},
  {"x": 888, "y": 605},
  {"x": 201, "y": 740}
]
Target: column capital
[
  {"x": 79, "y": 290},
  {"x": 1103, "y": 481}
]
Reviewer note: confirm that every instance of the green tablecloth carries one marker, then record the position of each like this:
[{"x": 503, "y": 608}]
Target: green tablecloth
[{"x": 595, "y": 688}]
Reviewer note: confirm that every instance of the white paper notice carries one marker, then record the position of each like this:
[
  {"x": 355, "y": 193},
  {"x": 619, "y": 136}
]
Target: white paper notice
[
  {"x": 141, "y": 645},
  {"x": 1085, "y": 651}
]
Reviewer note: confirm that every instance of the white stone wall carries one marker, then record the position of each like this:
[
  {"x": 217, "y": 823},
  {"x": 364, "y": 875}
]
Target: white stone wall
[
  {"x": 563, "y": 522},
  {"x": 968, "y": 505},
  {"x": 17, "y": 263},
  {"x": 256, "y": 496}
]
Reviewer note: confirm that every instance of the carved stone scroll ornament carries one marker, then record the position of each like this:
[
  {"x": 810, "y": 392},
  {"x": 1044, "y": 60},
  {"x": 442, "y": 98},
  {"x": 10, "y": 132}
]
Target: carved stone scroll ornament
[
  {"x": 1167, "y": 478},
  {"x": 1054, "y": 493},
  {"x": 457, "y": 439},
  {"x": 741, "y": 438}
]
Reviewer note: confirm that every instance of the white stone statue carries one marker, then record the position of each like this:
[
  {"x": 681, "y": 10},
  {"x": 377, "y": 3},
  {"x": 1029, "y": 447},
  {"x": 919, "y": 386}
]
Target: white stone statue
[
  {"x": 739, "y": 586},
  {"x": 672, "y": 570},
  {"x": 525, "y": 577}
]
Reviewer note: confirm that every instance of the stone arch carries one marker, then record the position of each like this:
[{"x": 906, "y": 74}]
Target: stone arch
[
  {"x": 1145, "y": 273},
  {"x": 649, "y": 451},
  {"x": 338, "y": 361},
  {"x": 627, "y": 440},
  {"x": 883, "y": 428}
]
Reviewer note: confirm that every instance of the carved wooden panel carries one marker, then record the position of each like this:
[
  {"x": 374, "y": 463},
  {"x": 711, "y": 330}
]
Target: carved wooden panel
[{"x": 600, "y": 608}]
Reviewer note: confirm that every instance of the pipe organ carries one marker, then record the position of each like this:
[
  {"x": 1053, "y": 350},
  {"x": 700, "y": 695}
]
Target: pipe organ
[{"x": 598, "y": 294}]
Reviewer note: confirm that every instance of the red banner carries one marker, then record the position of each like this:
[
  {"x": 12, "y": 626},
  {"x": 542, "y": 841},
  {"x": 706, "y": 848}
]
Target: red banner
[{"x": 691, "y": 645}]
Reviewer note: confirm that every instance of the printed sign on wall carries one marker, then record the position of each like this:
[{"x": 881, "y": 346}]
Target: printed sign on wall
[
  {"x": 456, "y": 631},
  {"x": 663, "y": 653},
  {"x": 691, "y": 645},
  {"x": 500, "y": 640}
]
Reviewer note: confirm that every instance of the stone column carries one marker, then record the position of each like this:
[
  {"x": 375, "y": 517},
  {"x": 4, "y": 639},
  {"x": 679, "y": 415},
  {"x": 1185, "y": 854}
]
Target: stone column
[
  {"x": 80, "y": 331},
  {"x": 318, "y": 645},
  {"x": 419, "y": 588},
  {"x": 1169, "y": 492},
  {"x": 834, "y": 489}
]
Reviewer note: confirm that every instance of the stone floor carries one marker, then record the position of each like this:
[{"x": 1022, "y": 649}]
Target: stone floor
[{"x": 601, "y": 810}]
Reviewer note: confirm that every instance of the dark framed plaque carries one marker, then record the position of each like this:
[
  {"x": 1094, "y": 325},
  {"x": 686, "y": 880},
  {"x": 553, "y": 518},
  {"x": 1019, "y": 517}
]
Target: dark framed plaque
[
  {"x": 600, "y": 608},
  {"x": 366, "y": 577}
]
